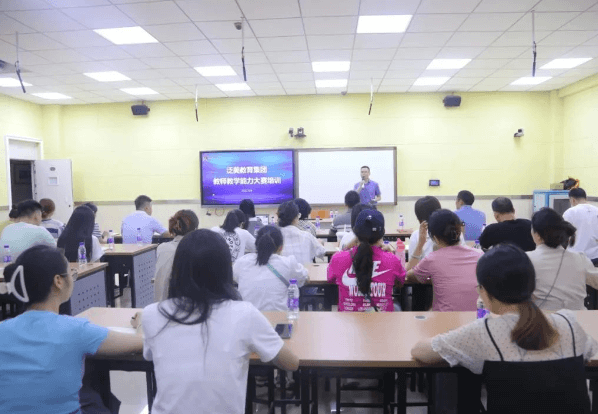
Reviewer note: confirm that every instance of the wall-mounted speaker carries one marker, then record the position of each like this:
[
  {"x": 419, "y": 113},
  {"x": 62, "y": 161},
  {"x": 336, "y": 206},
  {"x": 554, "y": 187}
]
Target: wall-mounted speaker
[
  {"x": 140, "y": 109},
  {"x": 452, "y": 101}
]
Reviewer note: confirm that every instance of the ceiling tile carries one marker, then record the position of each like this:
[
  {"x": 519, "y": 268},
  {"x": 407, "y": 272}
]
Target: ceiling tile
[
  {"x": 23, "y": 5},
  {"x": 79, "y": 38},
  {"x": 62, "y": 55},
  {"x": 292, "y": 67},
  {"x": 487, "y": 63},
  {"x": 547, "y": 52},
  {"x": 397, "y": 82},
  {"x": 262, "y": 78},
  {"x": 318, "y": 8},
  {"x": 400, "y": 64},
  {"x": 126, "y": 64},
  {"x": 330, "y": 75},
  {"x": 9, "y": 26},
  {"x": 104, "y": 53},
  {"x": 425, "y": 39},
  {"x": 100, "y": 17},
  {"x": 377, "y": 41},
  {"x": 373, "y": 54},
  {"x": 147, "y": 50},
  {"x": 33, "y": 41},
  {"x": 393, "y": 89},
  {"x": 370, "y": 65},
  {"x": 145, "y": 74},
  {"x": 512, "y": 73},
  {"x": 567, "y": 38},
  {"x": 586, "y": 21},
  {"x": 39, "y": 80},
  {"x": 223, "y": 30},
  {"x": 564, "y": 5},
  {"x": 269, "y": 92},
  {"x": 174, "y": 73},
  {"x": 270, "y": 9},
  {"x": 583, "y": 51},
  {"x": 206, "y": 60},
  {"x": 210, "y": 10},
  {"x": 493, "y": 6},
  {"x": 417, "y": 52},
  {"x": 45, "y": 20},
  {"x": 192, "y": 82},
  {"x": 71, "y": 79},
  {"x": 357, "y": 89},
  {"x": 175, "y": 32},
  {"x": 427, "y": 89},
  {"x": 279, "y": 44},
  {"x": 180, "y": 96},
  {"x": 543, "y": 21},
  {"x": 165, "y": 62},
  {"x": 255, "y": 69},
  {"x": 519, "y": 38},
  {"x": 385, "y": 7},
  {"x": 366, "y": 76},
  {"x": 301, "y": 91},
  {"x": 288, "y": 57},
  {"x": 264, "y": 85},
  {"x": 325, "y": 55},
  {"x": 403, "y": 73},
  {"x": 330, "y": 25},
  {"x": 255, "y": 58},
  {"x": 474, "y": 73},
  {"x": 462, "y": 81},
  {"x": 298, "y": 84},
  {"x": 489, "y": 22},
  {"x": 443, "y": 6},
  {"x": 295, "y": 77},
  {"x": 439, "y": 73},
  {"x": 277, "y": 27},
  {"x": 459, "y": 52},
  {"x": 51, "y": 70},
  {"x": 330, "y": 42},
  {"x": 159, "y": 82},
  {"x": 235, "y": 45},
  {"x": 191, "y": 48},
  {"x": 162, "y": 12},
  {"x": 473, "y": 38},
  {"x": 436, "y": 22},
  {"x": 502, "y": 52}
]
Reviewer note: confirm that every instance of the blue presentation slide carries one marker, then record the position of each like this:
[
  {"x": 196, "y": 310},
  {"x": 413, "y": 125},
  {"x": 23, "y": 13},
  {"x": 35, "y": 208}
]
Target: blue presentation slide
[{"x": 266, "y": 177}]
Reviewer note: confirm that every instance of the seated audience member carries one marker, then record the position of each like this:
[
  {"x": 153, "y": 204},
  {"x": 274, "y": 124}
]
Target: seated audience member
[
  {"x": 42, "y": 353},
  {"x": 424, "y": 207},
  {"x": 343, "y": 221},
  {"x": 96, "y": 227},
  {"x": 183, "y": 222},
  {"x": 201, "y": 338},
  {"x": 79, "y": 229},
  {"x": 349, "y": 240},
  {"x": 264, "y": 277},
  {"x": 366, "y": 274},
  {"x": 12, "y": 218},
  {"x": 584, "y": 217},
  {"x": 474, "y": 219},
  {"x": 141, "y": 219},
  {"x": 450, "y": 268},
  {"x": 55, "y": 227},
  {"x": 531, "y": 362},
  {"x": 304, "y": 223},
  {"x": 239, "y": 240},
  {"x": 508, "y": 228},
  {"x": 27, "y": 231},
  {"x": 301, "y": 244},
  {"x": 561, "y": 274},
  {"x": 248, "y": 208}
]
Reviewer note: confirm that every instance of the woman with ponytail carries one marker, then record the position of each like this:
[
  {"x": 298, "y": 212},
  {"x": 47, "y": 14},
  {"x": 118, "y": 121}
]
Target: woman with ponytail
[
  {"x": 263, "y": 277},
  {"x": 450, "y": 268},
  {"x": 366, "y": 274},
  {"x": 531, "y": 363},
  {"x": 561, "y": 274},
  {"x": 183, "y": 222}
]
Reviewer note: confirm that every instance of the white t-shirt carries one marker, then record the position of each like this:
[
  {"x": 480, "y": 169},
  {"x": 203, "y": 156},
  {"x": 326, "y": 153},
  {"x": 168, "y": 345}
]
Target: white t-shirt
[
  {"x": 428, "y": 246},
  {"x": 203, "y": 368},
  {"x": 55, "y": 227},
  {"x": 260, "y": 286},
  {"x": 300, "y": 244},
  {"x": 347, "y": 238},
  {"x": 239, "y": 242},
  {"x": 140, "y": 220},
  {"x": 585, "y": 218},
  {"x": 470, "y": 346},
  {"x": 21, "y": 236},
  {"x": 164, "y": 258},
  {"x": 96, "y": 250}
]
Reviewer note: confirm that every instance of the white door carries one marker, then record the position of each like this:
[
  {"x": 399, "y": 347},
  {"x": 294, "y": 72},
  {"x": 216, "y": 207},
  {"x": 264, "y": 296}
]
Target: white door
[{"x": 53, "y": 179}]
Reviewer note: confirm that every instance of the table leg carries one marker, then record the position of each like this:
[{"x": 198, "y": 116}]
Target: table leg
[
  {"x": 402, "y": 392},
  {"x": 469, "y": 392},
  {"x": 305, "y": 391}
]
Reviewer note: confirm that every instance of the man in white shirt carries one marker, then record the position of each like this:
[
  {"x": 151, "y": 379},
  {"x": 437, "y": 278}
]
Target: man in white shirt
[
  {"x": 142, "y": 219},
  {"x": 584, "y": 217},
  {"x": 26, "y": 232}
]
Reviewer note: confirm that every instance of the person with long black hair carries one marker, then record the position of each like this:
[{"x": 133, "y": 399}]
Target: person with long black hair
[
  {"x": 238, "y": 239},
  {"x": 201, "y": 338},
  {"x": 42, "y": 353},
  {"x": 250, "y": 221},
  {"x": 305, "y": 210},
  {"x": 264, "y": 277},
  {"x": 532, "y": 363},
  {"x": 366, "y": 274},
  {"x": 79, "y": 229},
  {"x": 301, "y": 244},
  {"x": 561, "y": 274}
]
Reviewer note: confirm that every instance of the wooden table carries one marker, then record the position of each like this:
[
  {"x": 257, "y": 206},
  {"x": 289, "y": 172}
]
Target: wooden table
[
  {"x": 140, "y": 262},
  {"x": 390, "y": 235}
]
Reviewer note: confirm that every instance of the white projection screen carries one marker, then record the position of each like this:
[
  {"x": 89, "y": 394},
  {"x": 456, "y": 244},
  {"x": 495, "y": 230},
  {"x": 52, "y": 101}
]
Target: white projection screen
[{"x": 325, "y": 175}]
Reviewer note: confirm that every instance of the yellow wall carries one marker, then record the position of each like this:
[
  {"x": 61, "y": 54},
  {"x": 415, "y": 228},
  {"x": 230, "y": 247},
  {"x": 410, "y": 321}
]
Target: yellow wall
[
  {"x": 17, "y": 118},
  {"x": 116, "y": 155},
  {"x": 580, "y": 131}
]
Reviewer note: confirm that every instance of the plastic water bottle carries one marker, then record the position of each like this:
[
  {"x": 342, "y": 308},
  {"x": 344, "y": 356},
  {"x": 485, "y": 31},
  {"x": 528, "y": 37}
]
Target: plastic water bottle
[
  {"x": 335, "y": 213},
  {"x": 476, "y": 245},
  {"x": 7, "y": 257},
  {"x": 318, "y": 222},
  {"x": 82, "y": 255},
  {"x": 139, "y": 237},
  {"x": 332, "y": 214},
  {"x": 293, "y": 300},
  {"x": 400, "y": 253},
  {"x": 110, "y": 240},
  {"x": 482, "y": 312},
  {"x": 401, "y": 223}
]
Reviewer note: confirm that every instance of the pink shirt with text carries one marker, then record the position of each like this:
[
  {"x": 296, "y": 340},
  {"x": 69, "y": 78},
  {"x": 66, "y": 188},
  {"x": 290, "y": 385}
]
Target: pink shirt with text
[{"x": 387, "y": 271}]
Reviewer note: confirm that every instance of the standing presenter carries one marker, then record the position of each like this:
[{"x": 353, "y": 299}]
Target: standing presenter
[{"x": 369, "y": 191}]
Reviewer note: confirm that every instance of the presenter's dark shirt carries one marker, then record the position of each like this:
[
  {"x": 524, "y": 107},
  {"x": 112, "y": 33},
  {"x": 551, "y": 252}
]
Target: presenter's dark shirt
[{"x": 516, "y": 232}]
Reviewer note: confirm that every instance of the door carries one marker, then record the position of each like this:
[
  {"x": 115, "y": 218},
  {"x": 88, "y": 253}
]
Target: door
[{"x": 53, "y": 179}]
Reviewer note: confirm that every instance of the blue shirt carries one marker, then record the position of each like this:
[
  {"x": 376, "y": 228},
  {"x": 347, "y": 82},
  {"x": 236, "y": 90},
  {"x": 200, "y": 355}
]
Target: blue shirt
[
  {"x": 368, "y": 193},
  {"x": 474, "y": 221},
  {"x": 140, "y": 220},
  {"x": 41, "y": 361}
]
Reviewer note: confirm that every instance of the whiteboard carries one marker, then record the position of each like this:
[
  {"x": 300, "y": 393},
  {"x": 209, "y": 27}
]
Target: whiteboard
[{"x": 325, "y": 175}]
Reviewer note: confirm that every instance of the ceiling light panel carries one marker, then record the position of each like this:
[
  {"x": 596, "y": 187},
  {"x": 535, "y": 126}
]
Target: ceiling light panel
[
  {"x": 438, "y": 64},
  {"x": 51, "y": 95},
  {"x": 11, "y": 83},
  {"x": 383, "y": 24},
  {"x": 209, "y": 71},
  {"x": 139, "y": 91},
  {"x": 565, "y": 63},
  {"x": 111, "y": 76},
  {"x": 127, "y": 35}
]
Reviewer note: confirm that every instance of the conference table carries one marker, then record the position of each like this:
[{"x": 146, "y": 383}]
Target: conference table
[
  {"x": 392, "y": 235},
  {"x": 340, "y": 341}
]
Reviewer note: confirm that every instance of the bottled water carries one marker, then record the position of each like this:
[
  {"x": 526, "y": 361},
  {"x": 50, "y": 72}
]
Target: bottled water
[
  {"x": 7, "y": 257},
  {"x": 482, "y": 312},
  {"x": 82, "y": 254},
  {"x": 318, "y": 222},
  {"x": 332, "y": 214},
  {"x": 139, "y": 237},
  {"x": 335, "y": 213},
  {"x": 110, "y": 240},
  {"x": 476, "y": 245},
  {"x": 293, "y": 300},
  {"x": 401, "y": 223}
]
